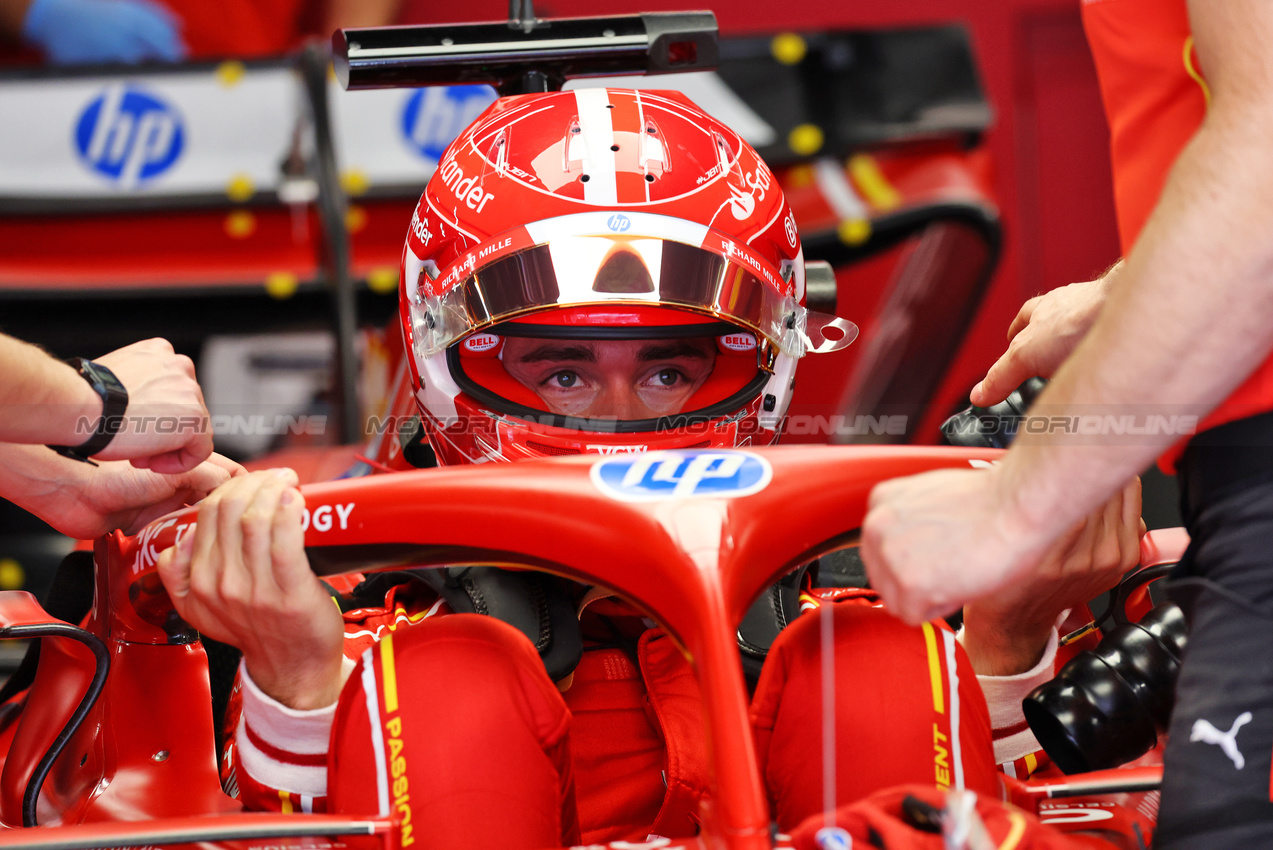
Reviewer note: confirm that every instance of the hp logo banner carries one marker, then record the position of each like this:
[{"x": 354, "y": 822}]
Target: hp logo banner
[
  {"x": 681, "y": 474},
  {"x": 433, "y": 117},
  {"x": 618, "y": 222},
  {"x": 129, "y": 136}
]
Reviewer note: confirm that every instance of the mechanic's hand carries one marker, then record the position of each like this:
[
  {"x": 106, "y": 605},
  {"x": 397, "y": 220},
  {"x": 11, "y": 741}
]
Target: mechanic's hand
[
  {"x": 81, "y": 31},
  {"x": 1005, "y": 633},
  {"x": 935, "y": 541},
  {"x": 115, "y": 495},
  {"x": 1045, "y": 332},
  {"x": 160, "y": 383},
  {"x": 242, "y": 578}
]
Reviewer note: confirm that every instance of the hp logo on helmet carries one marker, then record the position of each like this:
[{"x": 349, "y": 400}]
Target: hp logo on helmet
[
  {"x": 618, "y": 222},
  {"x": 681, "y": 474},
  {"x": 129, "y": 135},
  {"x": 433, "y": 117}
]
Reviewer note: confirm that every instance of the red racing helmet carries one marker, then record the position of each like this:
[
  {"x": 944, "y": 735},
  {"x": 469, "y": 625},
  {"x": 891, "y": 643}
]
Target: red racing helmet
[{"x": 603, "y": 215}]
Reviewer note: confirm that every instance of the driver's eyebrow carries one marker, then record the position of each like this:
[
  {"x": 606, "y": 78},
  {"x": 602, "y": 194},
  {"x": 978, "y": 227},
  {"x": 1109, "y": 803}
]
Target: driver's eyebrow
[
  {"x": 550, "y": 351},
  {"x": 670, "y": 351}
]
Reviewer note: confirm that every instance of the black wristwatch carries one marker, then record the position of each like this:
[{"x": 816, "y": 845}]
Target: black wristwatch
[{"x": 114, "y": 403}]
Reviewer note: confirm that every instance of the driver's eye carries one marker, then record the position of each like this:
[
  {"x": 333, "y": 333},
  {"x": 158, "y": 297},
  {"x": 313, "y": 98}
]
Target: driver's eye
[
  {"x": 564, "y": 379},
  {"x": 668, "y": 377}
]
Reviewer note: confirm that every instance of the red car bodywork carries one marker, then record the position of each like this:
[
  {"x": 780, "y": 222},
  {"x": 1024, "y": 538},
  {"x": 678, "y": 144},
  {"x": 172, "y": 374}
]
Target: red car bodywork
[{"x": 142, "y": 767}]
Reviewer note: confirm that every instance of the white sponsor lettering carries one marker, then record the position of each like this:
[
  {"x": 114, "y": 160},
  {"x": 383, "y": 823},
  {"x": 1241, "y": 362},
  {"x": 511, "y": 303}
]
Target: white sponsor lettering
[
  {"x": 1075, "y": 814},
  {"x": 743, "y": 203},
  {"x": 321, "y": 517},
  {"x": 420, "y": 227},
  {"x": 498, "y": 246},
  {"x": 147, "y": 554},
  {"x": 696, "y": 471},
  {"x": 733, "y": 250},
  {"x": 464, "y": 188},
  {"x": 478, "y": 343},
  {"x": 614, "y": 450},
  {"x": 711, "y": 172}
]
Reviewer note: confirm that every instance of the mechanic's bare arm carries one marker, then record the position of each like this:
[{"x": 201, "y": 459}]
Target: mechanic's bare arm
[
  {"x": 1045, "y": 331},
  {"x": 1191, "y": 316},
  {"x": 44, "y": 401},
  {"x": 86, "y": 501},
  {"x": 242, "y": 578},
  {"x": 1189, "y": 320},
  {"x": 44, "y": 397}
]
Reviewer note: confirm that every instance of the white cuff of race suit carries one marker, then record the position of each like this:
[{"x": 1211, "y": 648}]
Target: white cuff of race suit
[
  {"x": 282, "y": 747},
  {"x": 1012, "y": 737}
]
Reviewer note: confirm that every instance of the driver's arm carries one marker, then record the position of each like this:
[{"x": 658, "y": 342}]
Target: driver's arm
[
  {"x": 1011, "y": 637},
  {"x": 242, "y": 578}
]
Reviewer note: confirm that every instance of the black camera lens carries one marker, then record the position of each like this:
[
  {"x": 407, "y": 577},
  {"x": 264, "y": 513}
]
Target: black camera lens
[{"x": 1108, "y": 705}]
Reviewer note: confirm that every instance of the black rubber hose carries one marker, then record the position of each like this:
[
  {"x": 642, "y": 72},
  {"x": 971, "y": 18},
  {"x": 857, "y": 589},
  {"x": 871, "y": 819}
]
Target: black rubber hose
[{"x": 102, "y": 663}]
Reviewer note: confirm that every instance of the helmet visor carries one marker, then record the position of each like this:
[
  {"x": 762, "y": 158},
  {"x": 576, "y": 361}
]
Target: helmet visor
[{"x": 617, "y": 270}]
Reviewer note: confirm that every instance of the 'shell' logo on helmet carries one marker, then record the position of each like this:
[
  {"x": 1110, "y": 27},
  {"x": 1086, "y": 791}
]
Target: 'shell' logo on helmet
[
  {"x": 681, "y": 474},
  {"x": 129, "y": 135},
  {"x": 433, "y": 117}
]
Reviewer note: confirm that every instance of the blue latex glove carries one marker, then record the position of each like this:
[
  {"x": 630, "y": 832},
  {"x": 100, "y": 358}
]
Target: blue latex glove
[{"x": 80, "y": 31}]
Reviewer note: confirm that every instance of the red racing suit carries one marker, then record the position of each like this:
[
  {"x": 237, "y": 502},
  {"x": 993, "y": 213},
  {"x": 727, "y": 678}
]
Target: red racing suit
[
  {"x": 451, "y": 723},
  {"x": 1156, "y": 97}
]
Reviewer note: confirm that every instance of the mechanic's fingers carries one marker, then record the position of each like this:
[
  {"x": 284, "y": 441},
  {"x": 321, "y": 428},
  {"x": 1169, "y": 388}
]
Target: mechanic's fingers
[
  {"x": 209, "y": 475},
  {"x": 196, "y": 450},
  {"x": 1005, "y": 375},
  {"x": 1132, "y": 525},
  {"x": 232, "y": 466},
  {"x": 1107, "y": 543},
  {"x": 1023, "y": 317}
]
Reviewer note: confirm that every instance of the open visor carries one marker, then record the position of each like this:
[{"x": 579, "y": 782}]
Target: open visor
[{"x": 622, "y": 270}]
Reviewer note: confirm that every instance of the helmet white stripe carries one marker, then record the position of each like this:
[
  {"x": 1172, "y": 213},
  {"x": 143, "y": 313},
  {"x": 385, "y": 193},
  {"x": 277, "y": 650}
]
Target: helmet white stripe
[
  {"x": 595, "y": 119},
  {"x": 603, "y": 224}
]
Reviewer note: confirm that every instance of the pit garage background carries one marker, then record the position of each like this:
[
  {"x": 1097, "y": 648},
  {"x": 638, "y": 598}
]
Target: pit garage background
[{"x": 949, "y": 157}]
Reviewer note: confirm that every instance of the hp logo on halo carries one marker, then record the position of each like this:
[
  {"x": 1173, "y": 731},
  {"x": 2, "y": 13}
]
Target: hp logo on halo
[
  {"x": 433, "y": 117},
  {"x": 681, "y": 474},
  {"x": 618, "y": 222},
  {"x": 129, "y": 135}
]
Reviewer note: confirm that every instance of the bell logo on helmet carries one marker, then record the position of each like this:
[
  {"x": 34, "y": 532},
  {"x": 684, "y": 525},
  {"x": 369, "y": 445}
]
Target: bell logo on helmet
[
  {"x": 129, "y": 135},
  {"x": 739, "y": 342},
  {"x": 618, "y": 222},
  {"x": 433, "y": 117},
  {"x": 681, "y": 474}
]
